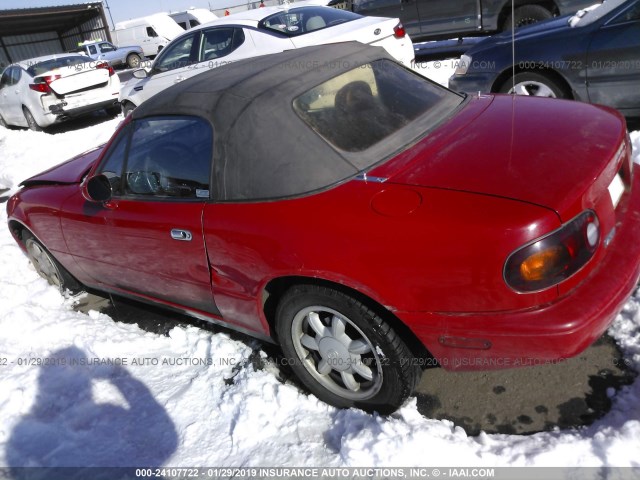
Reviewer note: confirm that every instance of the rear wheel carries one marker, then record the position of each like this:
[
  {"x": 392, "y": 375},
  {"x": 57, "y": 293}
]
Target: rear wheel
[
  {"x": 133, "y": 60},
  {"x": 31, "y": 122},
  {"x": 48, "y": 267},
  {"x": 534, "y": 84},
  {"x": 526, "y": 15},
  {"x": 342, "y": 351}
]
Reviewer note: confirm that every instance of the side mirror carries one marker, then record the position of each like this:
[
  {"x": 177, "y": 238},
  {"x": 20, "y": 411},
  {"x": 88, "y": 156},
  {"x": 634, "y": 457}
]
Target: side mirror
[
  {"x": 98, "y": 189},
  {"x": 140, "y": 73}
]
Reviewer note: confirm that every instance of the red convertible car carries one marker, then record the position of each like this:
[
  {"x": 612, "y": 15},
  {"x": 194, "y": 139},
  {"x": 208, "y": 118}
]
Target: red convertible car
[{"x": 367, "y": 220}]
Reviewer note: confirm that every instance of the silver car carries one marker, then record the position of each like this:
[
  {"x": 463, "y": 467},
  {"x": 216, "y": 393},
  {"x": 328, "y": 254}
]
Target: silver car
[{"x": 41, "y": 91}]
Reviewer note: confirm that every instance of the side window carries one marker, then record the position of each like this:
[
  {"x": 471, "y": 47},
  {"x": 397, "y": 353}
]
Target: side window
[
  {"x": 151, "y": 32},
  {"x": 183, "y": 25},
  {"x": 92, "y": 50},
  {"x": 114, "y": 162},
  {"x": 220, "y": 42},
  {"x": 15, "y": 75},
  {"x": 363, "y": 6},
  {"x": 630, "y": 15},
  {"x": 170, "y": 157},
  {"x": 194, "y": 23},
  {"x": 107, "y": 47},
  {"x": 175, "y": 55},
  {"x": 6, "y": 77}
]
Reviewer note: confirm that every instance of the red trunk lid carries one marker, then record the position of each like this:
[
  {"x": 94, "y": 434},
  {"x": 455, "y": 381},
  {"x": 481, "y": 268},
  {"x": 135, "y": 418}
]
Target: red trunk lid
[{"x": 547, "y": 152}]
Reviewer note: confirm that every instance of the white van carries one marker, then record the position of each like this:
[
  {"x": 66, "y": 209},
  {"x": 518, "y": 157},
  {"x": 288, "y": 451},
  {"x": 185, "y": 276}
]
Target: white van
[
  {"x": 152, "y": 32},
  {"x": 192, "y": 17}
]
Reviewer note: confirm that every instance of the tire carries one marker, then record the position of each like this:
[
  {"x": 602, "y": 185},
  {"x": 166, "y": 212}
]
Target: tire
[
  {"x": 31, "y": 122},
  {"x": 534, "y": 84},
  {"x": 127, "y": 108},
  {"x": 315, "y": 325},
  {"x": 526, "y": 15},
  {"x": 48, "y": 267},
  {"x": 133, "y": 60}
]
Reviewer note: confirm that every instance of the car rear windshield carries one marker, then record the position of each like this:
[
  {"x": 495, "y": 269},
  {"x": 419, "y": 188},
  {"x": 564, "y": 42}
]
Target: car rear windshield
[
  {"x": 61, "y": 62},
  {"x": 298, "y": 21},
  {"x": 358, "y": 109}
]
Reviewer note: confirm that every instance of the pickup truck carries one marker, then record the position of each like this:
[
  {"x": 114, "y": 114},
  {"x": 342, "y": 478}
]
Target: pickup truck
[
  {"x": 129, "y": 56},
  {"x": 438, "y": 19}
]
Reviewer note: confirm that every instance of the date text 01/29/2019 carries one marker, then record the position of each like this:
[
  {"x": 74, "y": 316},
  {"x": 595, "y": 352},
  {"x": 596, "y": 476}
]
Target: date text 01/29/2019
[{"x": 313, "y": 472}]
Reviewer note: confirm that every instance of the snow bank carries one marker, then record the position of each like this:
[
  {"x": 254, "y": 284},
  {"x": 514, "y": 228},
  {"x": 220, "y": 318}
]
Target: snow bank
[
  {"x": 194, "y": 398},
  {"x": 24, "y": 153}
]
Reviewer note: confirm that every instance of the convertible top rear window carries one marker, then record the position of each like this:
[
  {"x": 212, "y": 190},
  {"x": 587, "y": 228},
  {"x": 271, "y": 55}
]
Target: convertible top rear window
[
  {"x": 358, "y": 109},
  {"x": 298, "y": 21}
]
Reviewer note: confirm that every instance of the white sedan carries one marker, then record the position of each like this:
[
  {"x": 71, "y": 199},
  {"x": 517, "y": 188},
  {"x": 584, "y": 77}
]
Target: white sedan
[
  {"x": 257, "y": 32},
  {"x": 41, "y": 91}
]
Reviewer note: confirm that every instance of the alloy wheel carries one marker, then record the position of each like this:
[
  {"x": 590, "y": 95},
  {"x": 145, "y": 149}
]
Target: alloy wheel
[
  {"x": 336, "y": 353},
  {"x": 532, "y": 88},
  {"x": 43, "y": 263}
]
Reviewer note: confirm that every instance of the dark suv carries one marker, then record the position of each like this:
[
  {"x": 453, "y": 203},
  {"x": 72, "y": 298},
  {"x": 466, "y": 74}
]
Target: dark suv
[{"x": 448, "y": 18}]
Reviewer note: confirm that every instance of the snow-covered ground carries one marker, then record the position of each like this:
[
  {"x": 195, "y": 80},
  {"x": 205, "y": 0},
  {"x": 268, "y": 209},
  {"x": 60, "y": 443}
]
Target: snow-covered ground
[{"x": 177, "y": 400}]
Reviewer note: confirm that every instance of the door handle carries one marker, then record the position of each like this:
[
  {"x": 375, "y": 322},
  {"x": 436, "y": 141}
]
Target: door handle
[
  {"x": 179, "y": 79},
  {"x": 184, "y": 235}
]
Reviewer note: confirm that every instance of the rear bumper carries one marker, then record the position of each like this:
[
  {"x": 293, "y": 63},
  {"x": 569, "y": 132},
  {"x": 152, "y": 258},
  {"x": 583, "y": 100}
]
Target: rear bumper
[
  {"x": 552, "y": 332},
  {"x": 53, "y": 110},
  {"x": 63, "y": 113},
  {"x": 473, "y": 83}
]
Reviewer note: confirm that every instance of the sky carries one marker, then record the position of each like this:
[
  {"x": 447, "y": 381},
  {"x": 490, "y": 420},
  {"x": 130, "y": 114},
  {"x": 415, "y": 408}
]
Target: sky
[{"x": 127, "y": 9}]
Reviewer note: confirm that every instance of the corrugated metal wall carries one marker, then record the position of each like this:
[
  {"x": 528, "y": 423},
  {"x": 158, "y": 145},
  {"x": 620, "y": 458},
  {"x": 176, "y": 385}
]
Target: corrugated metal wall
[
  {"x": 4, "y": 61},
  {"x": 94, "y": 29},
  {"x": 14, "y": 48},
  {"x": 31, "y": 45}
]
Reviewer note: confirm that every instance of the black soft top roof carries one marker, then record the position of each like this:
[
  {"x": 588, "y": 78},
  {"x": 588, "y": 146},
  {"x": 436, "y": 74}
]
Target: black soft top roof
[{"x": 261, "y": 148}]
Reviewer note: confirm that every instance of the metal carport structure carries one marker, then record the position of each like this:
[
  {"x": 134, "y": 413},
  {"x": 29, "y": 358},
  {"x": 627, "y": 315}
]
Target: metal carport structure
[{"x": 32, "y": 32}]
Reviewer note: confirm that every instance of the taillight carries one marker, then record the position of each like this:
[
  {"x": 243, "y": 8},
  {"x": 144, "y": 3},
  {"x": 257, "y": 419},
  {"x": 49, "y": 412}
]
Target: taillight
[
  {"x": 42, "y": 85},
  {"x": 555, "y": 257},
  {"x": 399, "y": 31},
  {"x": 107, "y": 66}
]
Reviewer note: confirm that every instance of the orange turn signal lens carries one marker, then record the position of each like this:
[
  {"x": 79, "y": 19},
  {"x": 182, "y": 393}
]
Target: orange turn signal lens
[
  {"x": 544, "y": 264},
  {"x": 553, "y": 258}
]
